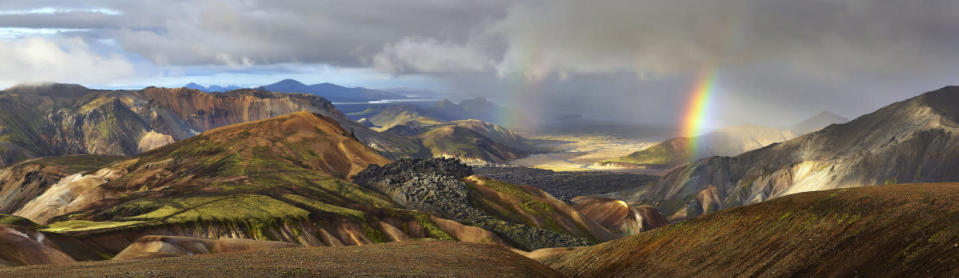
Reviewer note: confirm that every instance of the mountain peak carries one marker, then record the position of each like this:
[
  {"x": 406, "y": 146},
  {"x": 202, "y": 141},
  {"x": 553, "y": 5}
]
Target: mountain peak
[
  {"x": 822, "y": 119},
  {"x": 193, "y": 85},
  {"x": 288, "y": 82},
  {"x": 944, "y": 100}
]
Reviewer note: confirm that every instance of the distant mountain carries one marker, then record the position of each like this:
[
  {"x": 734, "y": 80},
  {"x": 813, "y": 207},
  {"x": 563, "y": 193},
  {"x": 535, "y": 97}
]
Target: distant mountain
[
  {"x": 332, "y": 91},
  {"x": 212, "y": 88},
  {"x": 916, "y": 140},
  {"x": 817, "y": 122},
  {"x": 59, "y": 119},
  {"x": 727, "y": 141}
]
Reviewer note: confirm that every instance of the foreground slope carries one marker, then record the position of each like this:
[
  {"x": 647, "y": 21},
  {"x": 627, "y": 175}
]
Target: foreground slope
[
  {"x": 916, "y": 140},
  {"x": 909, "y": 230},
  {"x": 406, "y": 259}
]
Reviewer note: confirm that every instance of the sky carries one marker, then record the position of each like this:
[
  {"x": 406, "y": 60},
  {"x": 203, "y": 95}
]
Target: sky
[{"x": 773, "y": 62}]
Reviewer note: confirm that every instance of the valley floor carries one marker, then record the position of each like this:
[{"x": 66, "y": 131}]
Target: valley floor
[{"x": 583, "y": 152}]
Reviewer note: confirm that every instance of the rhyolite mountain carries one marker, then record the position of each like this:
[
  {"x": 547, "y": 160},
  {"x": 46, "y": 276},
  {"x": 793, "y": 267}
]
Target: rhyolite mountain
[
  {"x": 727, "y": 141},
  {"x": 332, "y": 91},
  {"x": 286, "y": 178},
  {"x": 916, "y": 140},
  {"x": 57, "y": 119},
  {"x": 906, "y": 230}
]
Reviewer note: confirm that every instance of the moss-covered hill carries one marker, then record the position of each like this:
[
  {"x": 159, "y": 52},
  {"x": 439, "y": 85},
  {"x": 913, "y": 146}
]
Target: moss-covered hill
[
  {"x": 909, "y": 230},
  {"x": 284, "y": 178}
]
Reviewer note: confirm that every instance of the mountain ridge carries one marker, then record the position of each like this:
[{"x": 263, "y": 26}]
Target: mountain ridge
[{"x": 907, "y": 141}]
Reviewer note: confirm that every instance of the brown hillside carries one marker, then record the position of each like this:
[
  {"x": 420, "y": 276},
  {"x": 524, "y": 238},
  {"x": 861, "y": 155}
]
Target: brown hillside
[
  {"x": 404, "y": 259},
  {"x": 909, "y": 230}
]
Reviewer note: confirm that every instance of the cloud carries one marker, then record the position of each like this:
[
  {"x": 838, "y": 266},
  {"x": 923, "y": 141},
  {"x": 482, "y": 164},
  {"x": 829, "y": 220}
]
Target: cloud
[
  {"x": 826, "y": 37},
  {"x": 421, "y": 55},
  {"x": 630, "y": 59},
  {"x": 63, "y": 60}
]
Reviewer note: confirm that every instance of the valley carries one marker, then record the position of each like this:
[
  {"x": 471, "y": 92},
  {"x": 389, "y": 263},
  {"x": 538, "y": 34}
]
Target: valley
[{"x": 584, "y": 153}]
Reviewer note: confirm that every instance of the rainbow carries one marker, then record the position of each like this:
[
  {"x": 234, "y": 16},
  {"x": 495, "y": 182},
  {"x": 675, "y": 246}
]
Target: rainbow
[{"x": 696, "y": 113}]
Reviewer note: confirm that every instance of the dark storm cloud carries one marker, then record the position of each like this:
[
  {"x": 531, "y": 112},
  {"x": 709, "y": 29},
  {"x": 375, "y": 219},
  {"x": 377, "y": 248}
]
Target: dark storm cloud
[{"x": 628, "y": 59}]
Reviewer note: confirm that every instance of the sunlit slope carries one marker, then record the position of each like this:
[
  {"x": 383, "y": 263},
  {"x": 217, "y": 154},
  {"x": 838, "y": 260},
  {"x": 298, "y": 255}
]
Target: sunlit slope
[{"x": 908, "y": 230}]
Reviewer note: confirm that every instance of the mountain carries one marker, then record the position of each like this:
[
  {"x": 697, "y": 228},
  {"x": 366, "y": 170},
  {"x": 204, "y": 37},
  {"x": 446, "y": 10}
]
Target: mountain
[
  {"x": 402, "y": 114},
  {"x": 915, "y": 140},
  {"x": 212, "y": 88},
  {"x": 58, "y": 119},
  {"x": 727, "y": 141},
  {"x": 909, "y": 230},
  {"x": 817, "y": 122},
  {"x": 470, "y": 140},
  {"x": 467, "y": 144},
  {"x": 331, "y": 91}
]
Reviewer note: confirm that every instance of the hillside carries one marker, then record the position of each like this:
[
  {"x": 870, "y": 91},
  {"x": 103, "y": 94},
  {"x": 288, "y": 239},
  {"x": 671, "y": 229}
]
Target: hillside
[
  {"x": 26, "y": 180},
  {"x": 909, "y": 141},
  {"x": 724, "y": 142},
  {"x": 909, "y": 230},
  {"x": 404, "y": 259}
]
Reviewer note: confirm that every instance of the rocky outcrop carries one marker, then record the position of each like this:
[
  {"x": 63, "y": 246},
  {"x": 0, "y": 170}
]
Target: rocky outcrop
[
  {"x": 620, "y": 217},
  {"x": 439, "y": 186},
  {"x": 915, "y": 140}
]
